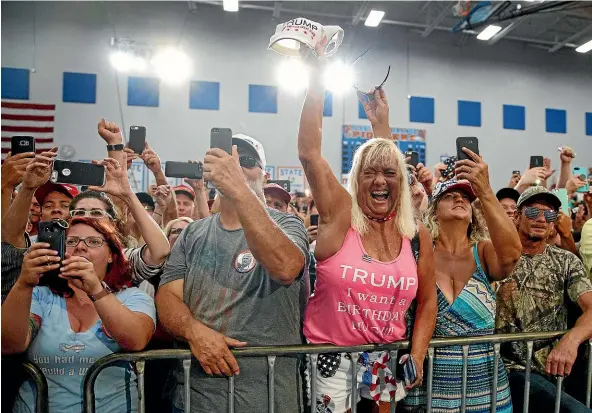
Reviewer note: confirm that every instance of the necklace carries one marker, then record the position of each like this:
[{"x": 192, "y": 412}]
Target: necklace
[{"x": 387, "y": 218}]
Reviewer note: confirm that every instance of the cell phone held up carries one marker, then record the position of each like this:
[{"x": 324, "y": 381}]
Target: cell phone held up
[
  {"x": 77, "y": 173},
  {"x": 188, "y": 170},
  {"x": 137, "y": 139},
  {"x": 22, "y": 144},
  {"x": 54, "y": 234},
  {"x": 413, "y": 158},
  {"x": 471, "y": 143},
  {"x": 314, "y": 220},
  {"x": 221, "y": 138},
  {"x": 536, "y": 162}
]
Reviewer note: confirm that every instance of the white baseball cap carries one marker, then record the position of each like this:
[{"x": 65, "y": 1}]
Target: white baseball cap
[{"x": 252, "y": 145}]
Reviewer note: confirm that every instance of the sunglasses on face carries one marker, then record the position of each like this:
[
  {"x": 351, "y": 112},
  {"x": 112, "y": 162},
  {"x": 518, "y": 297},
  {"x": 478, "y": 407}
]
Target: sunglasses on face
[
  {"x": 90, "y": 242},
  {"x": 248, "y": 162},
  {"x": 534, "y": 212},
  {"x": 176, "y": 231},
  {"x": 95, "y": 213}
]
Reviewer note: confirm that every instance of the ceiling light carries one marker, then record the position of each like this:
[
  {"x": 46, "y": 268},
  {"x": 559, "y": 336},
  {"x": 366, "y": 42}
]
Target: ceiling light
[
  {"x": 518, "y": 6},
  {"x": 292, "y": 75},
  {"x": 586, "y": 47},
  {"x": 338, "y": 77},
  {"x": 374, "y": 18},
  {"x": 489, "y": 32},
  {"x": 230, "y": 5},
  {"x": 172, "y": 65}
]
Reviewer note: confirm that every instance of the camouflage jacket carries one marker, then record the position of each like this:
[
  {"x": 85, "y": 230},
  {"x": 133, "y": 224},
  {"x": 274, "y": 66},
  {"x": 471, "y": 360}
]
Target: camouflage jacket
[{"x": 536, "y": 297}]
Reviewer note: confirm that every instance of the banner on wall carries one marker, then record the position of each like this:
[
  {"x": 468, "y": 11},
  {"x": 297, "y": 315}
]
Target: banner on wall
[
  {"x": 270, "y": 170},
  {"x": 353, "y": 136},
  {"x": 294, "y": 174}
]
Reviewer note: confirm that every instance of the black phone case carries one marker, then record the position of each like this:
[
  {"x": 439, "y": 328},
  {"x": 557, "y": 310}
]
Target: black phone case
[
  {"x": 221, "y": 138},
  {"x": 137, "y": 139},
  {"x": 314, "y": 220},
  {"x": 414, "y": 158},
  {"x": 22, "y": 144},
  {"x": 55, "y": 235},
  {"x": 471, "y": 143},
  {"x": 77, "y": 173},
  {"x": 188, "y": 170},
  {"x": 536, "y": 161}
]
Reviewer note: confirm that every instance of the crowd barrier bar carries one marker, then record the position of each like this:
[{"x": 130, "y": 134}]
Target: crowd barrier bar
[
  {"x": 42, "y": 398},
  {"x": 271, "y": 352}
]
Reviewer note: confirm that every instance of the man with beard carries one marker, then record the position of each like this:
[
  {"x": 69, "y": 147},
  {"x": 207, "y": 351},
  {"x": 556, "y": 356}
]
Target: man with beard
[
  {"x": 236, "y": 278},
  {"x": 537, "y": 296}
]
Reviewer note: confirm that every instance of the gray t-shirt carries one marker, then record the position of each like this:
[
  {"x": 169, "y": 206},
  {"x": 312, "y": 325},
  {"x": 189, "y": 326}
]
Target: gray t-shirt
[{"x": 229, "y": 291}]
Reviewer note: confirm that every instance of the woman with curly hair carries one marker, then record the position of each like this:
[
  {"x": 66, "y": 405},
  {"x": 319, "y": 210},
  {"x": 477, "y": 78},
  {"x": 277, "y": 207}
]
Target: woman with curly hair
[
  {"x": 466, "y": 262},
  {"x": 66, "y": 320}
]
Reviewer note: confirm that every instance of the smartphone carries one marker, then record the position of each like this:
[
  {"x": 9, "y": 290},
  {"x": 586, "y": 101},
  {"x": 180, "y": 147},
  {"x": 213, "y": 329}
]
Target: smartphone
[
  {"x": 77, "y": 173},
  {"x": 515, "y": 172},
  {"x": 471, "y": 143},
  {"x": 22, "y": 144},
  {"x": 53, "y": 233},
  {"x": 581, "y": 172},
  {"x": 284, "y": 183},
  {"x": 137, "y": 139},
  {"x": 314, "y": 220},
  {"x": 536, "y": 162},
  {"x": 189, "y": 170},
  {"x": 221, "y": 138},
  {"x": 414, "y": 158},
  {"x": 561, "y": 193}
]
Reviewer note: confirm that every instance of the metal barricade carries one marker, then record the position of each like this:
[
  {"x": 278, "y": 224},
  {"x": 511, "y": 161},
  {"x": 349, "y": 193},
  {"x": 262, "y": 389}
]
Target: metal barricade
[
  {"x": 42, "y": 398},
  {"x": 272, "y": 352}
]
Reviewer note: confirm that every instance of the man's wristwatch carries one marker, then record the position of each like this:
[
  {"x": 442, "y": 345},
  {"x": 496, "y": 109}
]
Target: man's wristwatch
[
  {"x": 116, "y": 147},
  {"x": 105, "y": 292}
]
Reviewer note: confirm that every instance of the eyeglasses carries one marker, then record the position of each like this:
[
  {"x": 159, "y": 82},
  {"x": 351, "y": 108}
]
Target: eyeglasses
[
  {"x": 94, "y": 213},
  {"x": 176, "y": 231},
  {"x": 534, "y": 213},
  {"x": 148, "y": 208},
  {"x": 90, "y": 242},
  {"x": 249, "y": 162}
]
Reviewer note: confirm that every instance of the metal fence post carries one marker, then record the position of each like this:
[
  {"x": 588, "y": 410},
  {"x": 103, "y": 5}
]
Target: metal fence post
[
  {"x": 231, "y": 394},
  {"x": 526, "y": 402},
  {"x": 394, "y": 359},
  {"x": 496, "y": 356},
  {"x": 431, "y": 354},
  {"x": 187, "y": 386},
  {"x": 271, "y": 382},
  {"x": 465, "y": 362},
  {"x": 313, "y": 381},
  {"x": 42, "y": 399},
  {"x": 559, "y": 385},
  {"x": 140, "y": 367},
  {"x": 354, "y": 385},
  {"x": 589, "y": 379}
]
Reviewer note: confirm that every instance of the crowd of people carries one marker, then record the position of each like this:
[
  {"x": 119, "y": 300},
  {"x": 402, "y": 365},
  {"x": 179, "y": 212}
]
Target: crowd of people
[{"x": 405, "y": 252}]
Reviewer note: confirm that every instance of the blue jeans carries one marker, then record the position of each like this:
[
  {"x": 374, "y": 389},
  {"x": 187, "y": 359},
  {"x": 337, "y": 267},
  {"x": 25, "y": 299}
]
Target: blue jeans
[{"x": 542, "y": 395}]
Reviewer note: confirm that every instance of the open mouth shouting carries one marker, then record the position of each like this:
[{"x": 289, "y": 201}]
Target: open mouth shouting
[{"x": 380, "y": 196}]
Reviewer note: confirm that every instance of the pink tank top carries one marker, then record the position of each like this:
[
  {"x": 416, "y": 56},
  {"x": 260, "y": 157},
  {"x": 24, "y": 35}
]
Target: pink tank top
[{"x": 359, "y": 300}]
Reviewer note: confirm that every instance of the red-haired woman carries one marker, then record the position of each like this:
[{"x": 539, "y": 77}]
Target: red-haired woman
[{"x": 85, "y": 313}]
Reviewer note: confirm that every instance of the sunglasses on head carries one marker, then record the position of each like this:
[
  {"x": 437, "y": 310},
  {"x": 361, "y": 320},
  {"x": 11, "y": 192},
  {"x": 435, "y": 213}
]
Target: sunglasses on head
[
  {"x": 534, "y": 212},
  {"x": 94, "y": 213},
  {"x": 249, "y": 162},
  {"x": 176, "y": 231}
]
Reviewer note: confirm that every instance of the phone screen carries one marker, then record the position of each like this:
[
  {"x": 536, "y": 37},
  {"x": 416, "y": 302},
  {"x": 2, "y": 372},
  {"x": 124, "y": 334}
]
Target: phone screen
[
  {"x": 314, "y": 220},
  {"x": 137, "y": 139}
]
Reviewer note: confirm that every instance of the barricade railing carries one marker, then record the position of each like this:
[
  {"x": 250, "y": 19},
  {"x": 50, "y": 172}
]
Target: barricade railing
[
  {"x": 42, "y": 395},
  {"x": 272, "y": 352}
]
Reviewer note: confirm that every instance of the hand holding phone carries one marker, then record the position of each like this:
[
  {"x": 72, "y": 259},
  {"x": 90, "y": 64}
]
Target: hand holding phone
[
  {"x": 471, "y": 143},
  {"x": 137, "y": 139},
  {"x": 77, "y": 173},
  {"x": 414, "y": 158},
  {"x": 220, "y": 138},
  {"x": 314, "y": 220},
  {"x": 53, "y": 233},
  {"x": 581, "y": 173},
  {"x": 536, "y": 162},
  {"x": 22, "y": 144},
  {"x": 187, "y": 170}
]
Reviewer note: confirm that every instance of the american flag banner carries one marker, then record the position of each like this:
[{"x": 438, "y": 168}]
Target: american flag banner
[{"x": 27, "y": 119}]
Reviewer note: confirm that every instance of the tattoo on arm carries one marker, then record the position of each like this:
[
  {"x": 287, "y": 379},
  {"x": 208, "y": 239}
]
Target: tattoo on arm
[{"x": 34, "y": 325}]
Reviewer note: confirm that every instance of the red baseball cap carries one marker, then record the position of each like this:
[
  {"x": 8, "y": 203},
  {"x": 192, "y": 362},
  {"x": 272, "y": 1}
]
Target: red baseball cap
[
  {"x": 184, "y": 189},
  {"x": 277, "y": 190},
  {"x": 41, "y": 193}
]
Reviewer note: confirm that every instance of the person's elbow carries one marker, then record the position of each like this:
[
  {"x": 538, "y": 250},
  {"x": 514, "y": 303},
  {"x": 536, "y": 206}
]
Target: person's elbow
[
  {"x": 508, "y": 261},
  {"x": 139, "y": 341},
  {"x": 289, "y": 269},
  {"x": 11, "y": 347}
]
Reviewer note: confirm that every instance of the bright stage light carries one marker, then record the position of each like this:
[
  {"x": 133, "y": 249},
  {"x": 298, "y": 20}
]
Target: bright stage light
[
  {"x": 122, "y": 61},
  {"x": 172, "y": 65},
  {"x": 292, "y": 75},
  {"x": 338, "y": 77}
]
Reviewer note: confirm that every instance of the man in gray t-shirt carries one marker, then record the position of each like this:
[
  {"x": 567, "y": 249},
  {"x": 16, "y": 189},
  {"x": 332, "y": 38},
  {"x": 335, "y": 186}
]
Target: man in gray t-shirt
[{"x": 237, "y": 278}]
